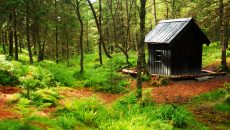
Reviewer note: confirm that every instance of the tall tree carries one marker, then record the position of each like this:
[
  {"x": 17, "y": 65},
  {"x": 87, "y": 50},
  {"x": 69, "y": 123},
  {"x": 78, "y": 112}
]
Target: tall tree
[
  {"x": 15, "y": 34},
  {"x": 56, "y": 33},
  {"x": 10, "y": 34},
  {"x": 222, "y": 36},
  {"x": 28, "y": 32},
  {"x": 155, "y": 11},
  {"x": 81, "y": 34},
  {"x": 173, "y": 8},
  {"x": 99, "y": 29},
  {"x": 140, "y": 48},
  {"x": 3, "y": 42}
]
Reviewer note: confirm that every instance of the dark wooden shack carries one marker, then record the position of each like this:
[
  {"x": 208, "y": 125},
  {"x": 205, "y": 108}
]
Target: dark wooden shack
[{"x": 175, "y": 47}]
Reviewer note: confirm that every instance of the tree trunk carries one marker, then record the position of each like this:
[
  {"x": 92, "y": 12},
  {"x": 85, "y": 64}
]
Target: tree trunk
[
  {"x": 56, "y": 33},
  {"x": 155, "y": 11},
  {"x": 20, "y": 43},
  {"x": 3, "y": 42},
  {"x": 100, "y": 37},
  {"x": 98, "y": 28},
  {"x": 10, "y": 36},
  {"x": 43, "y": 45},
  {"x": 15, "y": 35},
  {"x": 28, "y": 33},
  {"x": 222, "y": 37},
  {"x": 81, "y": 36},
  {"x": 173, "y": 9},
  {"x": 6, "y": 39},
  {"x": 140, "y": 48}
]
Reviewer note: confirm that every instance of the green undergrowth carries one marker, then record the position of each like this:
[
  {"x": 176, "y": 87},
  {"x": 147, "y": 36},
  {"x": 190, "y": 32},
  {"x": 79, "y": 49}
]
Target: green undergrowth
[
  {"x": 213, "y": 108},
  {"x": 92, "y": 113},
  {"x": 224, "y": 105},
  {"x": 42, "y": 98},
  {"x": 126, "y": 113},
  {"x": 212, "y": 96},
  {"x": 212, "y": 53},
  {"x": 106, "y": 77},
  {"x": 16, "y": 125}
]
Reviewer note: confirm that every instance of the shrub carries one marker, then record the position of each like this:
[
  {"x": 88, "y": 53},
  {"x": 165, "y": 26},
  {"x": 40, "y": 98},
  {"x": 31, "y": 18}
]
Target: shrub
[
  {"x": 7, "y": 78},
  {"x": 36, "y": 78}
]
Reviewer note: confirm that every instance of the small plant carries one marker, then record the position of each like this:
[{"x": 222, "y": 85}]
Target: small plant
[
  {"x": 45, "y": 97},
  {"x": 160, "y": 81},
  {"x": 146, "y": 77}
]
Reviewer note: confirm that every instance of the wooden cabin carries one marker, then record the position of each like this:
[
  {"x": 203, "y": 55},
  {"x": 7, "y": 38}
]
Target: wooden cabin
[{"x": 175, "y": 47}]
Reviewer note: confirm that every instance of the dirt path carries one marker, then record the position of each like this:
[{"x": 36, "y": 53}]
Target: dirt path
[
  {"x": 181, "y": 91},
  {"x": 175, "y": 92},
  {"x": 5, "y": 110}
]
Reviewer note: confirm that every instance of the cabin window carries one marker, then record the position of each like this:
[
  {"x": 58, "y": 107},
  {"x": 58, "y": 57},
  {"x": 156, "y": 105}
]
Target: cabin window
[{"x": 158, "y": 55}]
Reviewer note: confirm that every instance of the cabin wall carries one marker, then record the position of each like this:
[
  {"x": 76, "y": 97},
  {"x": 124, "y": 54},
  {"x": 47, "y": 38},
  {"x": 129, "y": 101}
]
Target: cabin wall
[
  {"x": 187, "y": 54},
  {"x": 162, "y": 66}
]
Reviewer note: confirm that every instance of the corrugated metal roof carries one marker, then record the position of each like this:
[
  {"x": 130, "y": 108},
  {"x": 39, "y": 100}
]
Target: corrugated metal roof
[{"x": 167, "y": 30}]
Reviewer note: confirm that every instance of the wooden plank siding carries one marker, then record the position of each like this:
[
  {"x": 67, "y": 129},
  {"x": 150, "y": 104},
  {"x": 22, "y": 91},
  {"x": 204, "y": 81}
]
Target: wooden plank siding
[{"x": 159, "y": 67}]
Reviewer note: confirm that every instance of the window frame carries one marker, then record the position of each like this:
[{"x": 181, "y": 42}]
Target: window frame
[{"x": 158, "y": 56}]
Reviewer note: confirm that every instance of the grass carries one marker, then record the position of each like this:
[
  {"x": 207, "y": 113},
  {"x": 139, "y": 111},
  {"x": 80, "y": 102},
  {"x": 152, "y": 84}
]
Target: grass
[
  {"x": 16, "y": 125},
  {"x": 126, "y": 113}
]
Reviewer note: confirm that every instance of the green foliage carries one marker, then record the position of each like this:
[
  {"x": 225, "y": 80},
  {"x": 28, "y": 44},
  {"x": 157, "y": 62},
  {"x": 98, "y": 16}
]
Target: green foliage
[
  {"x": 61, "y": 73},
  {"x": 211, "y": 96},
  {"x": 67, "y": 122},
  {"x": 45, "y": 98},
  {"x": 16, "y": 125},
  {"x": 36, "y": 78},
  {"x": 113, "y": 84},
  {"x": 227, "y": 87},
  {"x": 224, "y": 105},
  {"x": 178, "y": 116},
  {"x": 102, "y": 78},
  {"x": 89, "y": 111},
  {"x": 43, "y": 123},
  {"x": 146, "y": 77},
  {"x": 160, "y": 81},
  {"x": 41, "y": 98},
  {"x": 212, "y": 53},
  {"x": 7, "y": 78}
]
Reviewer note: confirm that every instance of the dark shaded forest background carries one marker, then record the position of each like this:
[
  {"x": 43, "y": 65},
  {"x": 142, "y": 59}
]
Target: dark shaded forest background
[{"x": 59, "y": 29}]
